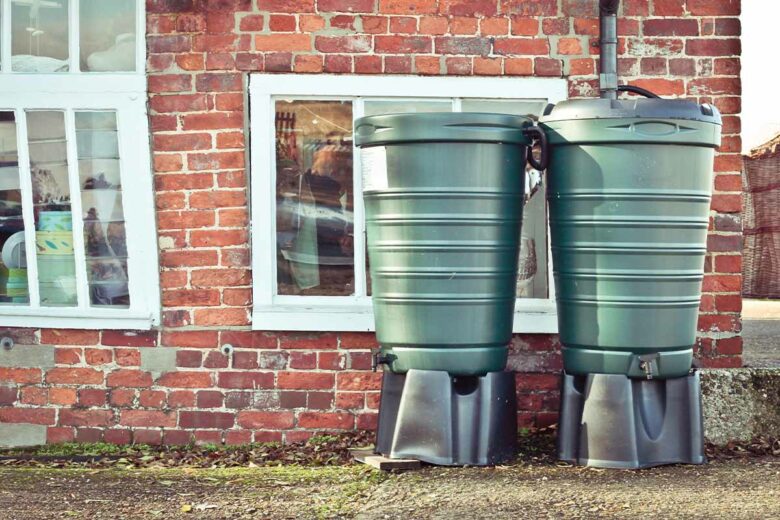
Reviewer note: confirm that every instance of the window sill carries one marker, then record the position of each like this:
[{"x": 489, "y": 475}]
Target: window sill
[
  {"x": 75, "y": 318},
  {"x": 531, "y": 317}
]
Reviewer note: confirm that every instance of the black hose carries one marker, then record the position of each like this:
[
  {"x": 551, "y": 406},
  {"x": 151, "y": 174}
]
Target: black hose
[
  {"x": 638, "y": 90},
  {"x": 609, "y": 6}
]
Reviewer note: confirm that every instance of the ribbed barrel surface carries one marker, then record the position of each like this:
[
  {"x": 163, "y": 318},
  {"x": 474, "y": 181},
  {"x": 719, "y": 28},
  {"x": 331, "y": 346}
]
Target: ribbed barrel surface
[
  {"x": 629, "y": 212},
  {"x": 443, "y": 238}
]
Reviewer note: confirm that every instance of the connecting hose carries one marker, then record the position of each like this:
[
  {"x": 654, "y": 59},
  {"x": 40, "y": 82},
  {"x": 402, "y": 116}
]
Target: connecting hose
[{"x": 638, "y": 90}]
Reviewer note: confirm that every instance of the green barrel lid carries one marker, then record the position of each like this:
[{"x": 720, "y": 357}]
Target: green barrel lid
[
  {"x": 442, "y": 127},
  {"x": 631, "y": 108}
]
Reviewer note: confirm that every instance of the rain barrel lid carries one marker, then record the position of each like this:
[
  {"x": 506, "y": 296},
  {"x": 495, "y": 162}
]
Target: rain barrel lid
[
  {"x": 441, "y": 127},
  {"x": 631, "y": 108}
]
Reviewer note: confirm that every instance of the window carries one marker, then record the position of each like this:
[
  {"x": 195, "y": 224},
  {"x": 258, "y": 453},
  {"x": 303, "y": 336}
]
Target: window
[
  {"x": 309, "y": 248},
  {"x": 74, "y": 157}
]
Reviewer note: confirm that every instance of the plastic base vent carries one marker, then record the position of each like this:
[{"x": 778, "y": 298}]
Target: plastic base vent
[
  {"x": 448, "y": 420},
  {"x": 612, "y": 421}
]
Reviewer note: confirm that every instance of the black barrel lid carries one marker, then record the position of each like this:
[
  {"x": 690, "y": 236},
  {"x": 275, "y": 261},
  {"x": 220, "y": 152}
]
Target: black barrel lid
[
  {"x": 441, "y": 127},
  {"x": 631, "y": 108}
]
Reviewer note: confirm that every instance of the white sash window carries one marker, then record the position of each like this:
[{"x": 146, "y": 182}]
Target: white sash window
[
  {"x": 77, "y": 235},
  {"x": 308, "y": 234}
]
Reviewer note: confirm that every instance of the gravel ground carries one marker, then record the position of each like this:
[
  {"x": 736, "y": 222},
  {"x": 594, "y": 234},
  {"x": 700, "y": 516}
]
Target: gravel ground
[{"x": 732, "y": 489}]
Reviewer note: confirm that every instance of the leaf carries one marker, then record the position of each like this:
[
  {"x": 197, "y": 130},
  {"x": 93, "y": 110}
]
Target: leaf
[{"x": 186, "y": 508}]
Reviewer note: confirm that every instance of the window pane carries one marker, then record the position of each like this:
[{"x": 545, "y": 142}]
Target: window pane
[
  {"x": 13, "y": 264},
  {"x": 107, "y": 35},
  {"x": 314, "y": 197},
  {"x": 51, "y": 196},
  {"x": 39, "y": 35},
  {"x": 378, "y": 106},
  {"x": 532, "y": 276},
  {"x": 101, "y": 203}
]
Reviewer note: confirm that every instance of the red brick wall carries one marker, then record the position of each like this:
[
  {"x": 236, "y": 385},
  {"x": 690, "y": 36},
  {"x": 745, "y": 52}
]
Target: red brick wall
[{"x": 288, "y": 385}]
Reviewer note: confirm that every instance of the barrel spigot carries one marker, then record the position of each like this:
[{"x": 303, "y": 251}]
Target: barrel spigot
[{"x": 377, "y": 358}]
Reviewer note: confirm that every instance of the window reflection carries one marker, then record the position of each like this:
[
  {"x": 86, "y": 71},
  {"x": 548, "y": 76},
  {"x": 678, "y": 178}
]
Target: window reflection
[
  {"x": 53, "y": 218},
  {"x": 13, "y": 264},
  {"x": 39, "y": 34},
  {"x": 101, "y": 204},
  {"x": 314, "y": 220},
  {"x": 107, "y": 35}
]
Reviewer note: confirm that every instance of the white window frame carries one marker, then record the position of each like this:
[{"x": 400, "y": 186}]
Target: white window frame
[
  {"x": 272, "y": 311},
  {"x": 125, "y": 94}
]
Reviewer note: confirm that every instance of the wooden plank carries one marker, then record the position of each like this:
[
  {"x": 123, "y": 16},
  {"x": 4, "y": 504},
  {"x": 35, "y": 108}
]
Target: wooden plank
[{"x": 383, "y": 463}]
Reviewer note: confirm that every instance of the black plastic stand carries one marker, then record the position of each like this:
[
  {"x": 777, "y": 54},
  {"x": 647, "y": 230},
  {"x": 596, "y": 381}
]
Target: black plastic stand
[
  {"x": 448, "y": 420},
  {"x": 612, "y": 421}
]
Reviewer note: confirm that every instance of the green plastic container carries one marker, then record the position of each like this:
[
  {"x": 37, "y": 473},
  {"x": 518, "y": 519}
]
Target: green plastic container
[
  {"x": 629, "y": 188},
  {"x": 444, "y": 196}
]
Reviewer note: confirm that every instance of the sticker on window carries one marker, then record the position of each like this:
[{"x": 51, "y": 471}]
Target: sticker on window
[{"x": 374, "y": 168}]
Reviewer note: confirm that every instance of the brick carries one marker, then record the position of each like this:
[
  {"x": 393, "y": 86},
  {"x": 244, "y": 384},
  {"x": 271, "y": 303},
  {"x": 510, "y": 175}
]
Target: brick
[
  {"x": 326, "y": 420},
  {"x": 400, "y": 25},
  {"x": 569, "y": 46},
  {"x": 462, "y": 25},
  {"x": 309, "y": 341},
  {"x": 181, "y": 399},
  {"x": 359, "y": 381},
  {"x": 117, "y": 436},
  {"x": 7, "y": 395},
  {"x": 221, "y": 316},
  {"x": 547, "y": 67},
  {"x": 183, "y": 379},
  {"x": 96, "y": 418},
  {"x": 147, "y": 418},
  {"x": 191, "y": 338},
  {"x": 249, "y": 339},
  {"x": 129, "y": 338},
  {"x": 218, "y": 238},
  {"x": 69, "y": 337},
  {"x": 153, "y": 437},
  {"x": 331, "y": 360},
  {"x": 728, "y": 302},
  {"x": 265, "y": 420},
  {"x": 525, "y": 26},
  {"x": 493, "y": 26},
  {"x": 518, "y": 66},
  {"x": 181, "y": 142},
  {"x": 245, "y": 360},
  {"x": 189, "y": 358},
  {"x": 529, "y": 7},
  {"x": 713, "y": 47},
  {"x": 27, "y": 415},
  {"x": 668, "y": 7},
  {"x": 20, "y": 375},
  {"x": 188, "y": 258},
  {"x": 209, "y": 399},
  {"x": 169, "y": 83},
  {"x": 713, "y": 7},
  {"x": 222, "y": 420},
  {"x": 726, "y": 203},
  {"x": 308, "y": 63},
  {"x": 402, "y": 44},
  {"x": 63, "y": 396},
  {"x": 671, "y": 27},
  {"x": 151, "y": 398},
  {"x": 487, "y": 66},
  {"x": 34, "y": 395},
  {"x": 521, "y": 46},
  {"x": 304, "y": 380},
  {"x": 728, "y": 263},
  {"x": 190, "y": 297},
  {"x": 95, "y": 356},
  {"x": 283, "y": 42},
  {"x": 286, "y": 6},
  {"x": 714, "y": 86},
  {"x": 213, "y": 121},
  {"x": 319, "y": 400},
  {"x": 245, "y": 379},
  {"x": 56, "y": 435},
  {"x": 74, "y": 376},
  {"x": 463, "y": 45},
  {"x": 220, "y": 277},
  {"x": 129, "y": 379},
  {"x": 349, "y": 400}
]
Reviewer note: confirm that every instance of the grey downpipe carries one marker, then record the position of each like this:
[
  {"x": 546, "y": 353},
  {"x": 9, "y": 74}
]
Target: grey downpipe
[{"x": 608, "y": 41}]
